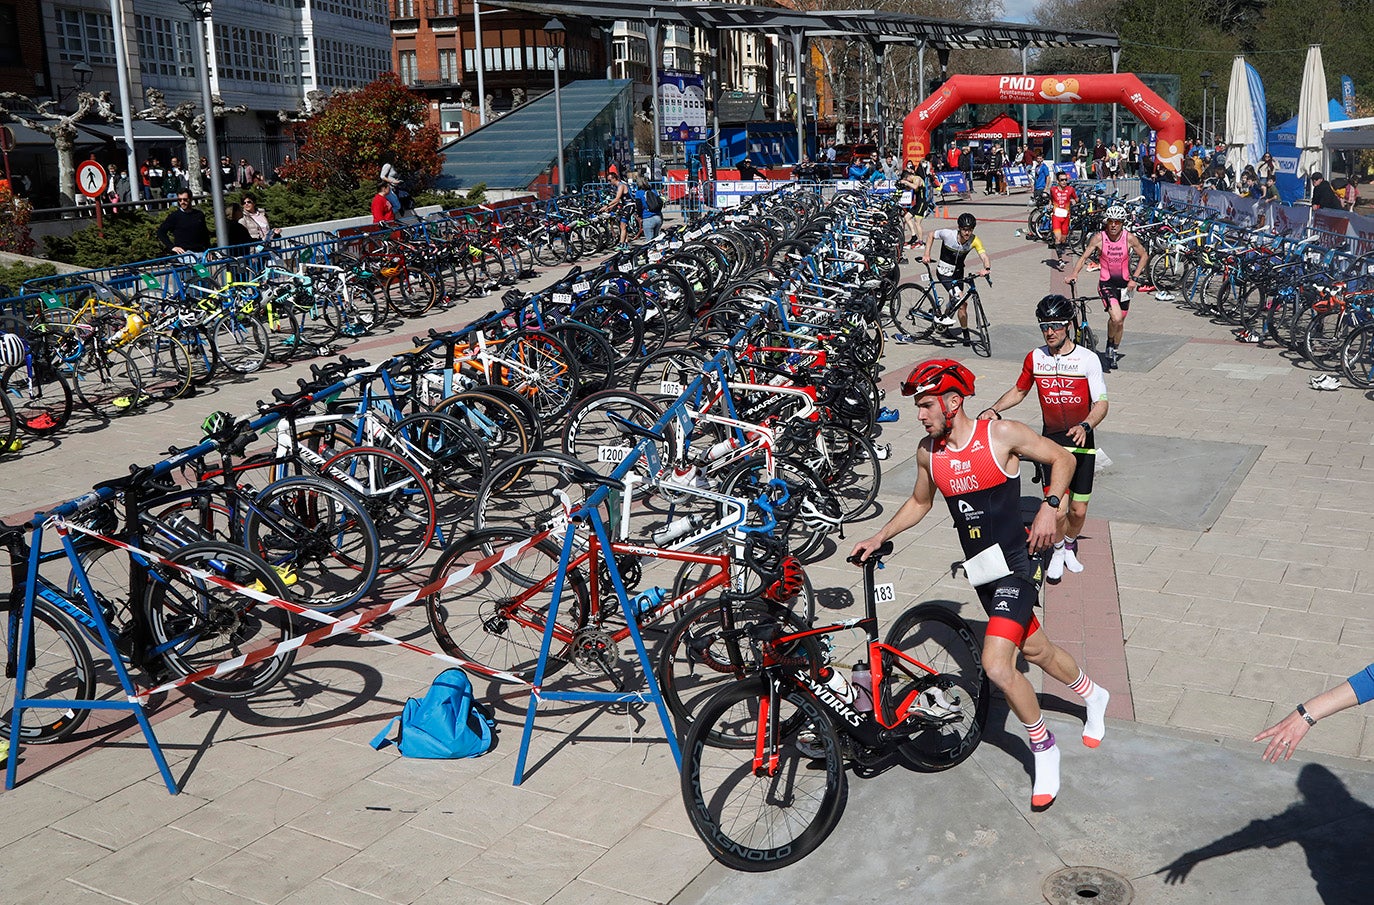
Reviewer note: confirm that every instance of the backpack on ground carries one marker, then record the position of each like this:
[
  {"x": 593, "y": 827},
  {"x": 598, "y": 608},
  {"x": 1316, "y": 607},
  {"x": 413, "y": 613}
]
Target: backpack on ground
[
  {"x": 652, "y": 202},
  {"x": 446, "y": 723}
]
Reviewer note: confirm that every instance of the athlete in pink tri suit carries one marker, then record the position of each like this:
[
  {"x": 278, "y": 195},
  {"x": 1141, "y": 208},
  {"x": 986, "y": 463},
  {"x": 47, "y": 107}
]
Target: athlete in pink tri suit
[
  {"x": 1114, "y": 245},
  {"x": 976, "y": 466},
  {"x": 1073, "y": 400}
]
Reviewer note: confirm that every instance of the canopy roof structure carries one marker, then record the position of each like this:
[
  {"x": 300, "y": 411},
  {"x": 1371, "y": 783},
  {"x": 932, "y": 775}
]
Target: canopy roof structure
[
  {"x": 879, "y": 26},
  {"x": 1002, "y": 126}
]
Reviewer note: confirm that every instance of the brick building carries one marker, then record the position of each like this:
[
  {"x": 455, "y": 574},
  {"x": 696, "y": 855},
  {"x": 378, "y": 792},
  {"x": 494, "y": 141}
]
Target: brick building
[{"x": 23, "y": 57}]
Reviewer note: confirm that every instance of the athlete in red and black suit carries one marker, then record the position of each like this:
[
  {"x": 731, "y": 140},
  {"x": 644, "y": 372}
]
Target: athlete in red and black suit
[
  {"x": 975, "y": 465},
  {"x": 1062, "y": 197},
  {"x": 1073, "y": 401}
]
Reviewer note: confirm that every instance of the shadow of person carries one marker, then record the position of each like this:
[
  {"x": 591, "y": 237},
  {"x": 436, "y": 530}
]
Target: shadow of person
[{"x": 1332, "y": 827}]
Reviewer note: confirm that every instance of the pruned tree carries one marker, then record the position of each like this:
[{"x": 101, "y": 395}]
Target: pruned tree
[
  {"x": 61, "y": 129},
  {"x": 189, "y": 120}
]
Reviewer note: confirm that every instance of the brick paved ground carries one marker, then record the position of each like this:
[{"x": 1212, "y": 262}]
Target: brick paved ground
[{"x": 1226, "y": 625}]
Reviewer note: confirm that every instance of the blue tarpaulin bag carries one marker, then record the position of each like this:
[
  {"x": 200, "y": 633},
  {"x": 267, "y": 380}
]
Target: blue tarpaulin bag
[{"x": 446, "y": 723}]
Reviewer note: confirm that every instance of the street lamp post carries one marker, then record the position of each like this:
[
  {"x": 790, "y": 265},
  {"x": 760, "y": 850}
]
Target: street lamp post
[
  {"x": 200, "y": 11},
  {"x": 1206, "y": 82},
  {"x": 556, "y": 32}
]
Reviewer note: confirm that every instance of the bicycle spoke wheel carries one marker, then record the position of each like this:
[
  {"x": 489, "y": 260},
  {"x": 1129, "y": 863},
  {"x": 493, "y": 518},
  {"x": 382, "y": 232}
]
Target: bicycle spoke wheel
[
  {"x": 319, "y": 537},
  {"x": 197, "y": 624},
  {"x": 397, "y": 498},
  {"x": 41, "y": 400},
  {"x": 241, "y": 342},
  {"x": 595, "y": 436},
  {"x": 448, "y": 452},
  {"x": 529, "y": 493},
  {"x": 495, "y": 422},
  {"x": 980, "y": 334},
  {"x": 916, "y": 310},
  {"x": 757, "y": 818},
  {"x": 164, "y": 367},
  {"x": 943, "y": 642},
  {"x": 497, "y": 618},
  {"x": 59, "y": 666},
  {"x": 845, "y": 461}
]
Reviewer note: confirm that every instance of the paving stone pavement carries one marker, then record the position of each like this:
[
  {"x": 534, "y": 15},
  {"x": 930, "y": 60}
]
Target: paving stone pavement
[{"x": 1264, "y": 596}]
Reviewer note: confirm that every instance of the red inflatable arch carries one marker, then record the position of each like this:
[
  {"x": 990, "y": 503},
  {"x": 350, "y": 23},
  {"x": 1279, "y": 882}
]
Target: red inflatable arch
[{"x": 1101, "y": 88}]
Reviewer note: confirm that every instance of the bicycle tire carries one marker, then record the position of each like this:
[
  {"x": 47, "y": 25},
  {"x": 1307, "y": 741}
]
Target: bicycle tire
[
  {"x": 940, "y": 639},
  {"x": 321, "y": 535},
  {"x": 164, "y": 366},
  {"x": 1357, "y": 357},
  {"x": 811, "y": 513},
  {"x": 242, "y": 343},
  {"x": 980, "y": 336},
  {"x": 525, "y": 493},
  {"x": 398, "y": 498},
  {"x": 41, "y": 400},
  {"x": 844, "y": 459},
  {"x": 411, "y": 293},
  {"x": 748, "y": 819},
  {"x": 196, "y": 624},
  {"x": 917, "y": 308},
  {"x": 591, "y": 429},
  {"x": 539, "y": 368},
  {"x": 59, "y": 666},
  {"x": 663, "y": 376},
  {"x": 1323, "y": 338},
  {"x": 483, "y": 619},
  {"x": 596, "y": 359}
]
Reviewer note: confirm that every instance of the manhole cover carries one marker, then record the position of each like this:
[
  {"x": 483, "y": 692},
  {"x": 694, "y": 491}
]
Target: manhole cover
[{"x": 1079, "y": 885}]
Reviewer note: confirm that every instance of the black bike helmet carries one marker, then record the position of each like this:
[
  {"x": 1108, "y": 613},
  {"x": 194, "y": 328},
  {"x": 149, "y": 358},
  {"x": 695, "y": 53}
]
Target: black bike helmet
[
  {"x": 1054, "y": 308},
  {"x": 967, "y": 221}
]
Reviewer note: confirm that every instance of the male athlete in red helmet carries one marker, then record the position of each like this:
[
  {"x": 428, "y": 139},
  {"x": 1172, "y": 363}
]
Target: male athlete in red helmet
[{"x": 975, "y": 465}]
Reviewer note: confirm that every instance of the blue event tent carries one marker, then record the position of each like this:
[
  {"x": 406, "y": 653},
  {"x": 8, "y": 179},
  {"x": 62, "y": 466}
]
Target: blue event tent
[{"x": 1282, "y": 140}]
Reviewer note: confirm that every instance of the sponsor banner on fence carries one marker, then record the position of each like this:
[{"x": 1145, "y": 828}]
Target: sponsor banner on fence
[
  {"x": 1342, "y": 229},
  {"x": 1286, "y": 220},
  {"x": 953, "y": 182},
  {"x": 1017, "y": 177},
  {"x": 730, "y": 193}
]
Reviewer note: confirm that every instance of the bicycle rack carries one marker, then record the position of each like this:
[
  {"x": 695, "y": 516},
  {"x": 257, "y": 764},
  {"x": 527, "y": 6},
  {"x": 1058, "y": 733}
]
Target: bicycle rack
[{"x": 130, "y": 702}]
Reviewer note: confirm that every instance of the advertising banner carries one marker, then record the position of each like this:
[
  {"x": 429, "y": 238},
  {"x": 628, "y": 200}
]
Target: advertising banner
[{"x": 682, "y": 106}]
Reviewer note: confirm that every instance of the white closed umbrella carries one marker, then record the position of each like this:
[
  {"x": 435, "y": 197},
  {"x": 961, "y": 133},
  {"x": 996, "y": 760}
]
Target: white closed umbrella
[
  {"x": 1312, "y": 112},
  {"x": 1246, "y": 122}
]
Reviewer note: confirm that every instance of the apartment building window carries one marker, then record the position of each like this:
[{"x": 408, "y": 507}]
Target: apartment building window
[
  {"x": 406, "y": 67},
  {"x": 10, "y": 54},
  {"x": 444, "y": 7},
  {"x": 164, "y": 47},
  {"x": 248, "y": 55},
  {"x": 84, "y": 35},
  {"x": 448, "y": 66},
  {"x": 405, "y": 9}
]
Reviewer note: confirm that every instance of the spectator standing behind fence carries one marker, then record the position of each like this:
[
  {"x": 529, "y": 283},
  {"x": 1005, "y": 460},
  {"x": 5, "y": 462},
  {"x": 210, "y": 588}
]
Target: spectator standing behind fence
[
  {"x": 235, "y": 232},
  {"x": 245, "y": 174},
  {"x": 278, "y": 175},
  {"x": 226, "y": 173},
  {"x": 1323, "y": 195},
  {"x": 150, "y": 175},
  {"x": 173, "y": 179},
  {"x": 184, "y": 228},
  {"x": 382, "y": 211},
  {"x": 254, "y": 220}
]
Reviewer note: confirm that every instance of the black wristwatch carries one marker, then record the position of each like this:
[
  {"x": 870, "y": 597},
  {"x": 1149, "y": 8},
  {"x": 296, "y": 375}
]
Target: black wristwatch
[
  {"x": 1053, "y": 501},
  {"x": 1085, "y": 425}
]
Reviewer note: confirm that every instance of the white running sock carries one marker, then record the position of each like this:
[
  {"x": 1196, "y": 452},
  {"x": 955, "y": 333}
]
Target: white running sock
[
  {"x": 1071, "y": 555},
  {"x": 1045, "y": 789},
  {"x": 1095, "y": 726},
  {"x": 1055, "y": 570}
]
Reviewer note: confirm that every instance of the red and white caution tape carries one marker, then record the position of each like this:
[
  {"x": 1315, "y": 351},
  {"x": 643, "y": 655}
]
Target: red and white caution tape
[{"x": 331, "y": 625}]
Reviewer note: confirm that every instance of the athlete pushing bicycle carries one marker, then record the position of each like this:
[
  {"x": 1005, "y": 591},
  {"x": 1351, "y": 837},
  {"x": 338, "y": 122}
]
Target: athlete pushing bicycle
[
  {"x": 955, "y": 246},
  {"x": 975, "y": 466}
]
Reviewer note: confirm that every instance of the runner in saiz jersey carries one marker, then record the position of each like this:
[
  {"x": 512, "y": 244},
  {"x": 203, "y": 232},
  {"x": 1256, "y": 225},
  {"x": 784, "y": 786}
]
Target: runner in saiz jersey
[
  {"x": 1115, "y": 281},
  {"x": 1062, "y": 197},
  {"x": 955, "y": 246},
  {"x": 1073, "y": 401},
  {"x": 976, "y": 466}
]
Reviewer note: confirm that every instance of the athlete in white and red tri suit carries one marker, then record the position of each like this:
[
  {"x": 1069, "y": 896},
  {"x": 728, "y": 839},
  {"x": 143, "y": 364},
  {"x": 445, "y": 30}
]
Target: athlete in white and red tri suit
[
  {"x": 975, "y": 465},
  {"x": 1073, "y": 400},
  {"x": 1062, "y": 197}
]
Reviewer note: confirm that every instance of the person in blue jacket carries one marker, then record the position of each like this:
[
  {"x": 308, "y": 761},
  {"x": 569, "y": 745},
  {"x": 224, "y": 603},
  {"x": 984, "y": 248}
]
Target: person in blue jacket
[{"x": 1285, "y": 735}]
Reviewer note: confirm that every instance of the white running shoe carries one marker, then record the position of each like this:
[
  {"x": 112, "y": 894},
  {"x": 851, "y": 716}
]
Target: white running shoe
[
  {"x": 1325, "y": 382},
  {"x": 948, "y": 320},
  {"x": 1055, "y": 570}
]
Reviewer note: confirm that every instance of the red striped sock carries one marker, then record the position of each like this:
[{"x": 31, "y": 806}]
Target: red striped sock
[
  {"x": 1082, "y": 686},
  {"x": 1037, "y": 731}
]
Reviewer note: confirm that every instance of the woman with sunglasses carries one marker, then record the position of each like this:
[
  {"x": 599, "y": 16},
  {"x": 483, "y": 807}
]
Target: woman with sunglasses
[{"x": 1266, "y": 167}]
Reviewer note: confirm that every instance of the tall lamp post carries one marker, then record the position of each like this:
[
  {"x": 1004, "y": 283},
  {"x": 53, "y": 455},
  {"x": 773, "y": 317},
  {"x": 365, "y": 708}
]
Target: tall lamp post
[
  {"x": 1206, "y": 82},
  {"x": 557, "y": 33},
  {"x": 200, "y": 11}
]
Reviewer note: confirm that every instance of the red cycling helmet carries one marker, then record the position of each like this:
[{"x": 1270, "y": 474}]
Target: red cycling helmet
[{"x": 939, "y": 376}]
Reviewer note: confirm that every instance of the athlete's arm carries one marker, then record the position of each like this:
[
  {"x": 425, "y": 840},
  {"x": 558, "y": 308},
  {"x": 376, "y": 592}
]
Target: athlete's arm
[
  {"x": 1093, "y": 244},
  {"x": 911, "y": 512},
  {"x": 930, "y": 246},
  {"x": 1013, "y": 396},
  {"x": 982, "y": 253},
  {"x": 1020, "y": 440}
]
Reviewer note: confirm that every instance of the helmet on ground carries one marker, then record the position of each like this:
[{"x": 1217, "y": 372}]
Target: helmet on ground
[
  {"x": 12, "y": 350},
  {"x": 1116, "y": 212},
  {"x": 967, "y": 221},
  {"x": 938, "y": 376},
  {"x": 1054, "y": 308}
]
